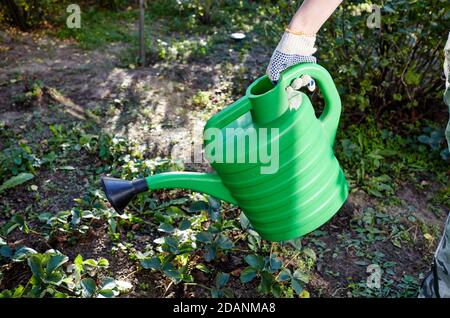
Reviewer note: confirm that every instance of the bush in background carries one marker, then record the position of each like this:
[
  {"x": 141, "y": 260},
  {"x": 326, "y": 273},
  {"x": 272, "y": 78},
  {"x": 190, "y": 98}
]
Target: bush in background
[
  {"x": 392, "y": 73},
  {"x": 27, "y": 14},
  {"x": 394, "y": 70}
]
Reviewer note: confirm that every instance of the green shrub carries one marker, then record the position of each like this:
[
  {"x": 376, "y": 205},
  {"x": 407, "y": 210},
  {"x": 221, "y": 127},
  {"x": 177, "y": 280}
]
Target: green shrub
[
  {"x": 27, "y": 14},
  {"x": 392, "y": 70},
  {"x": 116, "y": 4},
  {"x": 16, "y": 159}
]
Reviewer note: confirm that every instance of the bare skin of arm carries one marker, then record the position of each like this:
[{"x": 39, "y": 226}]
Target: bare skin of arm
[
  {"x": 312, "y": 14},
  {"x": 297, "y": 44}
]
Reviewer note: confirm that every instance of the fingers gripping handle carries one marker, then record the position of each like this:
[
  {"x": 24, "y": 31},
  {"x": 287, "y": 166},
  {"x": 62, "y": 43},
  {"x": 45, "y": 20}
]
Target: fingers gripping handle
[{"x": 332, "y": 111}]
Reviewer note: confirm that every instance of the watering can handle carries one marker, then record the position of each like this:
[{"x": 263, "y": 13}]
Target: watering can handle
[{"x": 332, "y": 111}]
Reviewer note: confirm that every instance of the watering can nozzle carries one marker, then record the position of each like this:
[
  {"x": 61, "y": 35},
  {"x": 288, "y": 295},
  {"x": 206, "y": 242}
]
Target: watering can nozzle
[{"x": 119, "y": 192}]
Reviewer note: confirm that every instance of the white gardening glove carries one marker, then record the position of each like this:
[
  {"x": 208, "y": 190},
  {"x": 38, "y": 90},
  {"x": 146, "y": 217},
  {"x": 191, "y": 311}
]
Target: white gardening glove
[
  {"x": 292, "y": 91},
  {"x": 293, "y": 48}
]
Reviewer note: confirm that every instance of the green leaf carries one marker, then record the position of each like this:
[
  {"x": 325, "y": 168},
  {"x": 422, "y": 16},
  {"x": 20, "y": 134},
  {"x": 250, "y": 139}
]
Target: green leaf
[
  {"x": 54, "y": 278},
  {"x": 388, "y": 152},
  {"x": 109, "y": 283},
  {"x": 297, "y": 285},
  {"x": 103, "y": 262},
  {"x": 256, "y": 261},
  {"x": 78, "y": 262},
  {"x": 16, "y": 180},
  {"x": 18, "y": 292},
  {"x": 248, "y": 274},
  {"x": 55, "y": 261},
  {"x": 266, "y": 282},
  {"x": 397, "y": 243},
  {"x": 221, "y": 280},
  {"x": 224, "y": 242},
  {"x": 151, "y": 263},
  {"x": 17, "y": 221},
  {"x": 112, "y": 225},
  {"x": 199, "y": 206},
  {"x": 204, "y": 237},
  {"x": 285, "y": 275},
  {"x": 35, "y": 264},
  {"x": 228, "y": 292},
  {"x": 171, "y": 272},
  {"x": 375, "y": 192},
  {"x": 203, "y": 268},
  {"x": 275, "y": 263},
  {"x": 245, "y": 223},
  {"x": 310, "y": 253},
  {"x": 254, "y": 240},
  {"x": 76, "y": 217},
  {"x": 6, "y": 294},
  {"x": 6, "y": 251},
  {"x": 297, "y": 243},
  {"x": 210, "y": 253},
  {"x": 214, "y": 210},
  {"x": 187, "y": 278},
  {"x": 174, "y": 211},
  {"x": 276, "y": 290},
  {"x": 22, "y": 253},
  {"x": 45, "y": 217},
  {"x": 215, "y": 293},
  {"x": 301, "y": 276},
  {"x": 106, "y": 293},
  {"x": 89, "y": 287},
  {"x": 171, "y": 245},
  {"x": 184, "y": 225},
  {"x": 166, "y": 228},
  {"x": 90, "y": 262}
]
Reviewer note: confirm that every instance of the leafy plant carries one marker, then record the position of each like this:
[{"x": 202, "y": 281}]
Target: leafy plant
[
  {"x": 17, "y": 159},
  {"x": 51, "y": 277},
  {"x": 28, "y": 14},
  {"x": 435, "y": 139},
  {"x": 17, "y": 221},
  {"x": 219, "y": 290},
  {"x": 15, "y": 181},
  {"x": 273, "y": 276}
]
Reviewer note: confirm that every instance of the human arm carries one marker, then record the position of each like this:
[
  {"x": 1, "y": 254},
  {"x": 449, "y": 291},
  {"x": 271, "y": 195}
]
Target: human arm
[{"x": 297, "y": 43}]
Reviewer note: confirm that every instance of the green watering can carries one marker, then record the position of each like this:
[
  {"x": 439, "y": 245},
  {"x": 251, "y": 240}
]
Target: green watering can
[{"x": 296, "y": 195}]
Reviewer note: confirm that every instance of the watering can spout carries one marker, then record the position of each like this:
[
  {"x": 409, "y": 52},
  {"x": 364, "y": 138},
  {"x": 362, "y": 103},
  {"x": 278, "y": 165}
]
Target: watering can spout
[{"x": 120, "y": 192}]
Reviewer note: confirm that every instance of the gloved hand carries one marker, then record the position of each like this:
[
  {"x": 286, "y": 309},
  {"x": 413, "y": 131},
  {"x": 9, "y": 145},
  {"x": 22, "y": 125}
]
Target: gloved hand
[{"x": 293, "y": 48}]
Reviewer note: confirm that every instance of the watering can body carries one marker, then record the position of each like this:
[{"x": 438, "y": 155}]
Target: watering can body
[{"x": 302, "y": 185}]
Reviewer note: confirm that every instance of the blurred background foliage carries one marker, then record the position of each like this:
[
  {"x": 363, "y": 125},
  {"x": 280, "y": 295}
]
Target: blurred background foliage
[{"x": 393, "y": 71}]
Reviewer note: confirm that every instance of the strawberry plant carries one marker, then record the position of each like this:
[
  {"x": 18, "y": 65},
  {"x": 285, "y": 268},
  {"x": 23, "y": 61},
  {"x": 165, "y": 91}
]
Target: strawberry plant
[{"x": 51, "y": 276}]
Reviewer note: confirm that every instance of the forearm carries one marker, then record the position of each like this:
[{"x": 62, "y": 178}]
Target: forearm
[
  {"x": 297, "y": 43},
  {"x": 312, "y": 14}
]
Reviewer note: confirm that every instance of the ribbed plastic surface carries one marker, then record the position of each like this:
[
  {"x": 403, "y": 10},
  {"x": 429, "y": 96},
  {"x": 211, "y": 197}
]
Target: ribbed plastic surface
[{"x": 309, "y": 186}]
